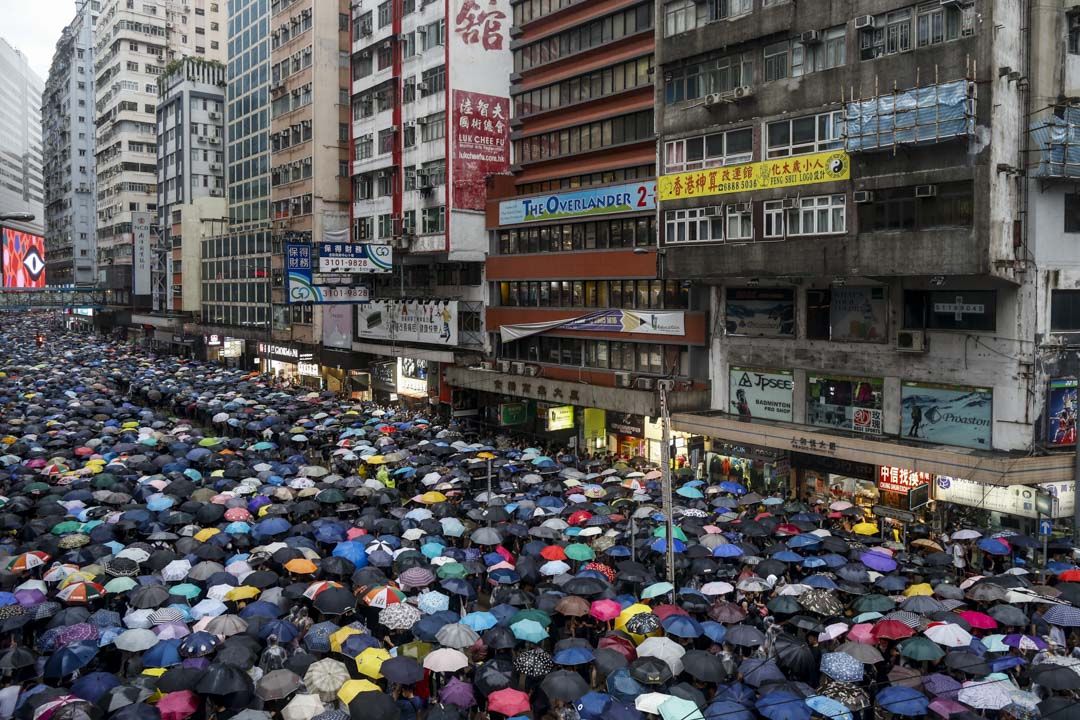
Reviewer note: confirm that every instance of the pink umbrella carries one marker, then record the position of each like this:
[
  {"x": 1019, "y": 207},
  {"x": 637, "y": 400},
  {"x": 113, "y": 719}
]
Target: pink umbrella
[
  {"x": 237, "y": 514},
  {"x": 178, "y": 705},
  {"x": 979, "y": 620},
  {"x": 605, "y": 609},
  {"x": 945, "y": 707},
  {"x": 863, "y": 632},
  {"x": 171, "y": 631}
]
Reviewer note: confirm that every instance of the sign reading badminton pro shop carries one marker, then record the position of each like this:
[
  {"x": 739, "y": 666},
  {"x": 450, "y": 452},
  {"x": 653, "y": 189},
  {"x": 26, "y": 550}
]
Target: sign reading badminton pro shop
[{"x": 479, "y": 132}]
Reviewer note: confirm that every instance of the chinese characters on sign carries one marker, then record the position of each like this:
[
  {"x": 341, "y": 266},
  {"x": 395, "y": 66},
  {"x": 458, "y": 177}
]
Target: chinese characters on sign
[
  {"x": 355, "y": 258},
  {"x": 477, "y": 26},
  {"x": 481, "y": 134},
  {"x": 821, "y": 446},
  {"x": 901, "y": 480},
  {"x": 300, "y": 285},
  {"x": 140, "y": 253},
  {"x": 779, "y": 173}
]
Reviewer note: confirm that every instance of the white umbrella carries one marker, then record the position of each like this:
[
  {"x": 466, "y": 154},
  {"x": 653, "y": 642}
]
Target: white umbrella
[
  {"x": 650, "y": 702},
  {"x": 985, "y": 694},
  {"x": 949, "y": 635},
  {"x": 303, "y": 706},
  {"x": 665, "y": 649},
  {"x": 717, "y": 588},
  {"x": 136, "y": 640},
  {"x": 445, "y": 660},
  {"x": 966, "y": 535}
]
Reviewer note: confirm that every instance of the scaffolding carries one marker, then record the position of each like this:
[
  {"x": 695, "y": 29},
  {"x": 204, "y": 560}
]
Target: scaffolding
[
  {"x": 1057, "y": 141},
  {"x": 922, "y": 115}
]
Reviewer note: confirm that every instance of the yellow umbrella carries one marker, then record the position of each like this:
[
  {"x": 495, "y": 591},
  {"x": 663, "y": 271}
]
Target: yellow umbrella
[
  {"x": 339, "y": 636},
  {"x": 920, "y": 589},
  {"x": 865, "y": 528},
  {"x": 370, "y": 662},
  {"x": 352, "y": 688},
  {"x": 375, "y": 460},
  {"x": 431, "y": 498},
  {"x": 629, "y": 612},
  {"x": 485, "y": 456},
  {"x": 156, "y": 673},
  {"x": 243, "y": 592},
  {"x": 130, "y": 425},
  {"x": 78, "y": 577},
  {"x": 206, "y": 533}
]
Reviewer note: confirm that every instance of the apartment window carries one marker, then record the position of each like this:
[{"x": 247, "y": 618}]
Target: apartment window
[
  {"x": 682, "y": 16},
  {"x": 1072, "y": 213},
  {"x": 955, "y": 310},
  {"x": 585, "y": 138},
  {"x": 740, "y": 222},
  {"x": 386, "y": 141},
  {"x": 433, "y": 81},
  {"x": 386, "y": 226},
  {"x": 408, "y": 138},
  {"x": 952, "y": 205},
  {"x": 829, "y": 52},
  {"x": 408, "y": 45},
  {"x": 365, "y": 146},
  {"x": 705, "y": 151},
  {"x": 821, "y": 215},
  {"x": 1074, "y": 38},
  {"x": 386, "y": 13},
  {"x": 935, "y": 23},
  {"x": 722, "y": 9},
  {"x": 717, "y": 75},
  {"x": 584, "y": 36},
  {"x": 433, "y": 220},
  {"x": 433, "y": 127},
  {"x": 891, "y": 35},
  {"x": 694, "y": 225},
  {"x": 432, "y": 35},
  {"x": 1065, "y": 310},
  {"x": 776, "y": 61},
  {"x": 386, "y": 56},
  {"x": 807, "y": 134},
  {"x": 589, "y": 86}
]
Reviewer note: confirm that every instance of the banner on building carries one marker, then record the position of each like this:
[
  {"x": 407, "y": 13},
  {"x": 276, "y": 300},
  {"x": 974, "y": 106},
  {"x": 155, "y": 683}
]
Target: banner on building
[
  {"x": 595, "y": 424},
  {"x": 301, "y": 287},
  {"x": 1019, "y": 500},
  {"x": 1061, "y": 412},
  {"x": 845, "y": 402},
  {"x": 901, "y": 480},
  {"x": 560, "y": 418},
  {"x": 859, "y": 314},
  {"x": 631, "y": 197},
  {"x": 142, "y": 258},
  {"x": 512, "y": 414},
  {"x": 480, "y": 134},
  {"x": 337, "y": 326},
  {"x": 763, "y": 394},
  {"x": 629, "y": 424},
  {"x": 761, "y": 312},
  {"x": 24, "y": 259},
  {"x": 947, "y": 414},
  {"x": 412, "y": 377},
  {"x": 643, "y": 322},
  {"x": 355, "y": 258},
  {"x": 434, "y": 322},
  {"x": 788, "y": 172}
]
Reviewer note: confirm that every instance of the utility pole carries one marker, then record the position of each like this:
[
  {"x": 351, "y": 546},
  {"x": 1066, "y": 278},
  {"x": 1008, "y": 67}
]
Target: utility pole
[
  {"x": 1076, "y": 500},
  {"x": 489, "y": 488},
  {"x": 666, "y": 480}
]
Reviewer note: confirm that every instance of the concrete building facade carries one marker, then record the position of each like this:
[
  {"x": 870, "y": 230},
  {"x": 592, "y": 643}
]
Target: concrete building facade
[
  {"x": 21, "y": 183},
  {"x": 136, "y": 42},
  {"x": 190, "y": 179},
  {"x": 68, "y": 135}
]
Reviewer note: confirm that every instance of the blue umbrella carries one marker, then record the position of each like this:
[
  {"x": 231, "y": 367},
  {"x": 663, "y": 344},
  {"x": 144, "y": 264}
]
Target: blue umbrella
[
  {"x": 529, "y": 631},
  {"x": 681, "y": 626},
  {"x": 623, "y": 711},
  {"x": 820, "y": 581},
  {"x": 783, "y": 706},
  {"x": 660, "y": 545},
  {"x": 732, "y": 487},
  {"x": 593, "y": 705},
  {"x": 814, "y": 562},
  {"x": 317, "y": 638},
  {"x": 841, "y": 666},
  {"x": 353, "y": 552},
  {"x": 993, "y": 546},
  {"x": 727, "y": 710},
  {"x": 165, "y": 654},
  {"x": 622, "y": 686},
  {"x": 270, "y": 527},
  {"x": 901, "y": 700},
  {"x": 574, "y": 656},
  {"x": 833, "y": 709},
  {"x": 261, "y": 608},
  {"x": 801, "y": 541},
  {"x": 93, "y": 686},
  {"x": 69, "y": 659},
  {"x": 727, "y": 551},
  {"x": 758, "y": 671},
  {"x": 480, "y": 621},
  {"x": 788, "y": 556},
  {"x": 714, "y": 631},
  {"x": 285, "y": 631}
]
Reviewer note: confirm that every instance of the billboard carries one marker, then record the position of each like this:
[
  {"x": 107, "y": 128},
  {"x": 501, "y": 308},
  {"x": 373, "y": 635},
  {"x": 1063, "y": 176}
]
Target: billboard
[
  {"x": 1019, "y": 500},
  {"x": 788, "y": 172},
  {"x": 845, "y": 403},
  {"x": 479, "y": 62},
  {"x": 761, "y": 312},
  {"x": 420, "y": 321},
  {"x": 24, "y": 259},
  {"x": 560, "y": 418},
  {"x": 337, "y": 326},
  {"x": 355, "y": 258},
  {"x": 142, "y": 260},
  {"x": 1061, "y": 412},
  {"x": 631, "y": 197},
  {"x": 643, "y": 322},
  {"x": 301, "y": 285},
  {"x": 764, "y": 394},
  {"x": 858, "y": 314},
  {"x": 947, "y": 414}
]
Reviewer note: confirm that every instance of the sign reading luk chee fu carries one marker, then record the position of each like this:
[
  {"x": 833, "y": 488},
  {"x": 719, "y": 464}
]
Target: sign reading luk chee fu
[{"x": 779, "y": 173}]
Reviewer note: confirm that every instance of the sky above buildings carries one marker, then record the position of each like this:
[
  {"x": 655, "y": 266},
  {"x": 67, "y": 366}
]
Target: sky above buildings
[{"x": 34, "y": 26}]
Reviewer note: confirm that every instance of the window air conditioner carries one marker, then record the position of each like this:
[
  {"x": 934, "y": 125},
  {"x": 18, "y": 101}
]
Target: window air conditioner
[{"x": 911, "y": 341}]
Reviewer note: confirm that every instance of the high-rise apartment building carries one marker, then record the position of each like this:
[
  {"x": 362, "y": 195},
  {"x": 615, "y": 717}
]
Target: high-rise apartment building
[
  {"x": 430, "y": 132},
  {"x": 136, "y": 41},
  {"x": 21, "y": 183},
  {"x": 191, "y": 178},
  {"x": 68, "y": 135}
]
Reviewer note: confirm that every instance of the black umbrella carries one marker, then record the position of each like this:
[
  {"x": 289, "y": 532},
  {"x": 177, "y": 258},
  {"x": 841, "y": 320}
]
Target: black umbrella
[
  {"x": 795, "y": 655},
  {"x": 745, "y": 636},
  {"x": 650, "y": 671},
  {"x": 568, "y": 686},
  {"x": 225, "y": 680},
  {"x": 972, "y": 664},
  {"x": 702, "y": 666},
  {"x": 494, "y": 675},
  {"x": 1055, "y": 677},
  {"x": 374, "y": 706},
  {"x": 335, "y": 601},
  {"x": 402, "y": 670}
]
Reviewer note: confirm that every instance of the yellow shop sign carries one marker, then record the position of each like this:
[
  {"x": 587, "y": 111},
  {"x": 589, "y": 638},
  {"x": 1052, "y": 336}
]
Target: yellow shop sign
[{"x": 779, "y": 173}]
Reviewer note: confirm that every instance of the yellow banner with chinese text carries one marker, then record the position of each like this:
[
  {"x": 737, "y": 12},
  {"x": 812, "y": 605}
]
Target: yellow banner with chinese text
[{"x": 779, "y": 173}]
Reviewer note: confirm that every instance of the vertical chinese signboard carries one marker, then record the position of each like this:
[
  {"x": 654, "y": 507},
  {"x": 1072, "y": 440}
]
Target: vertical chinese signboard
[
  {"x": 141, "y": 261},
  {"x": 479, "y": 133}
]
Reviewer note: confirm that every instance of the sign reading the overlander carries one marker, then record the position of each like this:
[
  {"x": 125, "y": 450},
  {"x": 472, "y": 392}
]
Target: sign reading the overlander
[{"x": 631, "y": 197}]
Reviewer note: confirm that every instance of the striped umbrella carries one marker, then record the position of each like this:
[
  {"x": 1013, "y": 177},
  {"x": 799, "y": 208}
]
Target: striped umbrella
[
  {"x": 28, "y": 561},
  {"x": 81, "y": 593},
  {"x": 382, "y": 596}
]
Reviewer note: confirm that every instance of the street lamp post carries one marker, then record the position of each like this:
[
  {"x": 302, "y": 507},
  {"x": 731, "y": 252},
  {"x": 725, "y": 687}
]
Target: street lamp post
[{"x": 664, "y": 386}]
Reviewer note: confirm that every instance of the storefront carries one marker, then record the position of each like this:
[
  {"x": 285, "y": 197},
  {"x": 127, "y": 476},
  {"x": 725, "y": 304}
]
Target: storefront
[
  {"x": 760, "y": 470},
  {"x": 293, "y": 364},
  {"x": 309, "y": 371},
  {"x": 626, "y": 435},
  {"x": 383, "y": 380},
  {"x": 346, "y": 372},
  {"x": 412, "y": 381},
  {"x": 827, "y": 479},
  {"x": 903, "y": 489},
  {"x": 1015, "y": 507}
]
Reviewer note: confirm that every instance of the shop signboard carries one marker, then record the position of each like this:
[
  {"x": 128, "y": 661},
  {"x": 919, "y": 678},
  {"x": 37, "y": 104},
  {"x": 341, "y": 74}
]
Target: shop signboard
[
  {"x": 212, "y": 340},
  {"x": 308, "y": 368},
  {"x": 359, "y": 258},
  {"x": 232, "y": 348},
  {"x": 760, "y": 312},
  {"x": 845, "y": 402},
  {"x": 303, "y": 287},
  {"x": 1017, "y": 500},
  {"x": 512, "y": 414},
  {"x": 631, "y": 197},
  {"x": 918, "y": 497},
  {"x": 765, "y": 394},
  {"x": 858, "y": 314},
  {"x": 947, "y": 414},
  {"x": 1061, "y": 412},
  {"x": 337, "y": 326},
  {"x": 421, "y": 321},
  {"x": 595, "y": 424},
  {"x": 903, "y": 516},
  {"x": 283, "y": 353},
  {"x": 642, "y": 322},
  {"x": 412, "y": 377},
  {"x": 901, "y": 480},
  {"x": 627, "y": 424},
  {"x": 560, "y": 418},
  {"x": 141, "y": 253},
  {"x": 789, "y": 172}
]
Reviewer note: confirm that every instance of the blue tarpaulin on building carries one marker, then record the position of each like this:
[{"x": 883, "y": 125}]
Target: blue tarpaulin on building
[
  {"x": 1058, "y": 139},
  {"x": 923, "y": 115}
]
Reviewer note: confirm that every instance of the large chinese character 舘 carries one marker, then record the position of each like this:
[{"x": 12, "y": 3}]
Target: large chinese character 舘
[{"x": 478, "y": 26}]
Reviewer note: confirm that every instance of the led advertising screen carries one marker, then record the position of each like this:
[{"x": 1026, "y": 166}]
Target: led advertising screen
[{"x": 24, "y": 259}]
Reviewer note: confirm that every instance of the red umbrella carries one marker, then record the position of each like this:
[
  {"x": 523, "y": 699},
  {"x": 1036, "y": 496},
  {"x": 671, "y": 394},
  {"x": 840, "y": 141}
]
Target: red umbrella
[
  {"x": 665, "y": 611},
  {"x": 553, "y": 552},
  {"x": 1070, "y": 576},
  {"x": 620, "y": 645},
  {"x": 891, "y": 630},
  {"x": 579, "y": 517},
  {"x": 979, "y": 620},
  {"x": 509, "y": 702},
  {"x": 787, "y": 529},
  {"x": 178, "y": 705}
]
